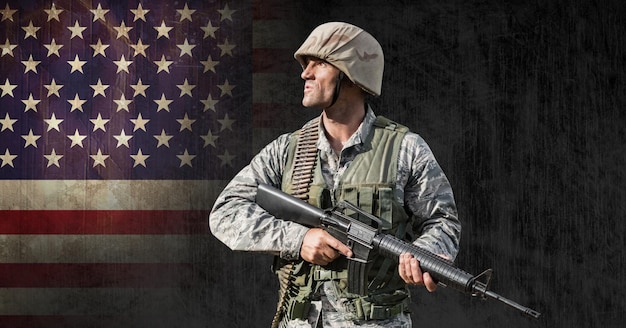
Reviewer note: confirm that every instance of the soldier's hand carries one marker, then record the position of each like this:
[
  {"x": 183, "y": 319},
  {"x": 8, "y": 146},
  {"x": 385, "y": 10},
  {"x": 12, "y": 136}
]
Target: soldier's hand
[
  {"x": 410, "y": 272},
  {"x": 319, "y": 247}
]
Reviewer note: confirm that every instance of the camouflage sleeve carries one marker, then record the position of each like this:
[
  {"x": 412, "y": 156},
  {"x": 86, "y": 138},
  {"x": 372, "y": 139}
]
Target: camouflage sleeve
[
  {"x": 241, "y": 224},
  {"x": 428, "y": 195}
]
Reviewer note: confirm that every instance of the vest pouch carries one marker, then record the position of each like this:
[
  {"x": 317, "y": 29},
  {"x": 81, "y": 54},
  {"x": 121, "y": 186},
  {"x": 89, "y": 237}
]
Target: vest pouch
[
  {"x": 298, "y": 309},
  {"x": 385, "y": 208}
]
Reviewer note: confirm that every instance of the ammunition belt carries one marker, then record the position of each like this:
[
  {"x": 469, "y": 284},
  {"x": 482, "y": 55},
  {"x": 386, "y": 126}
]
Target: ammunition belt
[
  {"x": 304, "y": 160},
  {"x": 304, "y": 163}
]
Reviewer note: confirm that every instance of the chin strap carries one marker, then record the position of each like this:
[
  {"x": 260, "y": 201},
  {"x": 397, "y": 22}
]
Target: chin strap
[{"x": 340, "y": 77}]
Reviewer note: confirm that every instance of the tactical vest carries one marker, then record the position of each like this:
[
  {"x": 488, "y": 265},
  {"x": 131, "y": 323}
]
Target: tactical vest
[{"x": 370, "y": 183}]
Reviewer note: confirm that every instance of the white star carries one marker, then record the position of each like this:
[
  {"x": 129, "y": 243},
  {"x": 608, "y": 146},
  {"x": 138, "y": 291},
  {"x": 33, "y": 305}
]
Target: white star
[
  {"x": 226, "y": 123},
  {"x": 140, "y": 88},
  {"x": 185, "y": 88},
  {"x": 163, "y": 103},
  {"x": 209, "y": 30},
  {"x": 122, "y": 30},
  {"x": 53, "y": 13},
  {"x": 53, "y": 88},
  {"x": 139, "y": 13},
  {"x": 77, "y": 139},
  {"x": 99, "y": 159},
  {"x": 77, "y": 103},
  {"x": 7, "y": 158},
  {"x": 140, "y": 48},
  {"x": 140, "y": 123},
  {"x": 209, "y": 139},
  {"x": 53, "y": 123},
  {"x": 163, "y": 65},
  {"x": 185, "y": 48},
  {"x": 209, "y": 64},
  {"x": 31, "y": 139},
  {"x": 7, "y": 48},
  {"x": 227, "y": 88},
  {"x": 30, "y": 103},
  {"x": 99, "y": 88},
  {"x": 30, "y": 30},
  {"x": 163, "y": 139},
  {"x": 122, "y": 64},
  {"x": 163, "y": 30},
  {"x": 77, "y": 64},
  {"x": 122, "y": 139},
  {"x": 227, "y": 158},
  {"x": 209, "y": 103},
  {"x": 53, "y": 48},
  {"x": 7, "y": 13},
  {"x": 77, "y": 30},
  {"x": 185, "y": 123},
  {"x": 99, "y": 123},
  {"x": 30, "y": 64},
  {"x": 185, "y": 13},
  {"x": 185, "y": 158},
  {"x": 99, "y": 48},
  {"x": 226, "y": 13},
  {"x": 140, "y": 158},
  {"x": 53, "y": 158},
  {"x": 7, "y": 122},
  {"x": 7, "y": 88},
  {"x": 226, "y": 48},
  {"x": 99, "y": 13},
  {"x": 122, "y": 103}
]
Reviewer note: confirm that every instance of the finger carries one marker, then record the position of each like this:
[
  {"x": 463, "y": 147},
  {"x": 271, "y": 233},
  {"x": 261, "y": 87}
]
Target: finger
[
  {"x": 404, "y": 268},
  {"x": 416, "y": 271},
  {"x": 330, "y": 254},
  {"x": 429, "y": 282},
  {"x": 339, "y": 246},
  {"x": 321, "y": 259}
]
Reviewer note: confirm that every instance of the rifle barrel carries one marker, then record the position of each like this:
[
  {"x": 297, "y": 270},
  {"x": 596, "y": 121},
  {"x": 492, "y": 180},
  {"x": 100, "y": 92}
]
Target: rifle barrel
[{"x": 524, "y": 309}]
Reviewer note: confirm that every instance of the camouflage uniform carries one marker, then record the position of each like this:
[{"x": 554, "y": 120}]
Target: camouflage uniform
[{"x": 422, "y": 187}]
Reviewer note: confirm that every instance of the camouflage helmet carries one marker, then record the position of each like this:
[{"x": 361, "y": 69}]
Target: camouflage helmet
[{"x": 349, "y": 48}]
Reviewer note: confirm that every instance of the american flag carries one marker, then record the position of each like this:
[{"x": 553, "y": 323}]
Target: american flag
[{"x": 120, "y": 122}]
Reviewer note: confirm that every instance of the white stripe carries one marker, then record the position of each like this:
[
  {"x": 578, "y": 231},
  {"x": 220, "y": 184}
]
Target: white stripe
[
  {"x": 109, "y": 194},
  {"x": 102, "y": 248},
  {"x": 137, "y": 302}
]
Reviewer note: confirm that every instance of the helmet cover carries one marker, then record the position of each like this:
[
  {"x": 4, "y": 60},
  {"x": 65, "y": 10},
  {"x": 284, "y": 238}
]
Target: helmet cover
[{"x": 349, "y": 48}]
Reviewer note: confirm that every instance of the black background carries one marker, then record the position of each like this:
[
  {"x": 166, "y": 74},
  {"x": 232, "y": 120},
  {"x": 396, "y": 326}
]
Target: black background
[{"x": 522, "y": 103}]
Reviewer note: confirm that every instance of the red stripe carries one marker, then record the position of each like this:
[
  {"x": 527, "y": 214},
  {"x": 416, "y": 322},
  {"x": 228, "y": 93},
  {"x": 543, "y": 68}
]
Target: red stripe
[
  {"x": 274, "y": 60},
  {"x": 96, "y": 275},
  {"x": 271, "y": 9},
  {"x": 103, "y": 222}
]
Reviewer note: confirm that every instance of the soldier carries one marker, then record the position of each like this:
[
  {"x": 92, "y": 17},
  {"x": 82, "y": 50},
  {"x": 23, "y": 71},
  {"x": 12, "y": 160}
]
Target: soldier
[{"x": 346, "y": 153}]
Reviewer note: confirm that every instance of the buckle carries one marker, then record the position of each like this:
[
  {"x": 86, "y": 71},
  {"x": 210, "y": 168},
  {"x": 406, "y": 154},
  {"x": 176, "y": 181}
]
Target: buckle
[{"x": 381, "y": 312}]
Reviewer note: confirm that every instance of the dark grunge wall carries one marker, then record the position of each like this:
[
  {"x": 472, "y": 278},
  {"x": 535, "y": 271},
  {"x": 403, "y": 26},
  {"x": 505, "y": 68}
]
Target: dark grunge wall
[{"x": 523, "y": 103}]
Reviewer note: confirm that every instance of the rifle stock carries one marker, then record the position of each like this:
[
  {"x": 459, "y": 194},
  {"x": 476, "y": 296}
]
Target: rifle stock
[{"x": 286, "y": 207}]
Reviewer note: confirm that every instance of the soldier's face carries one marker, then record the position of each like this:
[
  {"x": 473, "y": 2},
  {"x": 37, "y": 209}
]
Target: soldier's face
[{"x": 320, "y": 80}]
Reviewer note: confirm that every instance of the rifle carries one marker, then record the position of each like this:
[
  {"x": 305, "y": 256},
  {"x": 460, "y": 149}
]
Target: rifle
[{"x": 366, "y": 241}]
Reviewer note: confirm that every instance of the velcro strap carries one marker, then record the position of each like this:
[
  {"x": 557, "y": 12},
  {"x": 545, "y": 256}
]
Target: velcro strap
[
  {"x": 323, "y": 274},
  {"x": 368, "y": 311}
]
